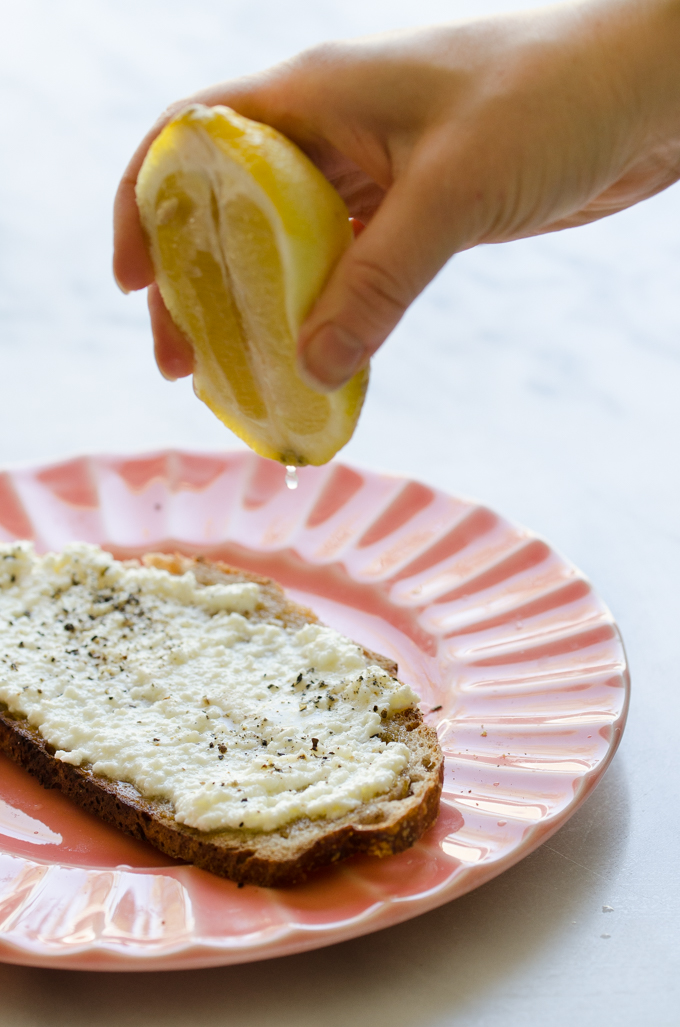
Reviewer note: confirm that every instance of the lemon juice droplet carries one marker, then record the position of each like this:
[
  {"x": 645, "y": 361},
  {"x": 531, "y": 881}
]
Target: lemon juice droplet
[{"x": 291, "y": 477}]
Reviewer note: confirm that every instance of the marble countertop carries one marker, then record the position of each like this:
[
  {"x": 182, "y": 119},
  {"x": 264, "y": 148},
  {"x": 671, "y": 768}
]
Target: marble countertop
[{"x": 542, "y": 377}]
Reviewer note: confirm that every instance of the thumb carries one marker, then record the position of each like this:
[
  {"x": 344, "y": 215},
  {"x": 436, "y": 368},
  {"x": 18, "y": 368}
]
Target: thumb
[{"x": 406, "y": 243}]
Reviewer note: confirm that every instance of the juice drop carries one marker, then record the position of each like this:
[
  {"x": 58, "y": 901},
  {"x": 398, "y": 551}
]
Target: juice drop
[{"x": 291, "y": 477}]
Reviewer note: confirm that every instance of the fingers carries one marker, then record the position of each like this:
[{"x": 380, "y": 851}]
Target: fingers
[
  {"x": 173, "y": 351},
  {"x": 132, "y": 267},
  {"x": 279, "y": 97},
  {"x": 389, "y": 263}
]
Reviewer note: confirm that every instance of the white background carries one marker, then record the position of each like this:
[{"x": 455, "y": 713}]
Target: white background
[{"x": 542, "y": 377}]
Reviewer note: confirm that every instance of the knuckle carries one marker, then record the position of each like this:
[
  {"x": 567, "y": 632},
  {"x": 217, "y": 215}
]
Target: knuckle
[{"x": 373, "y": 286}]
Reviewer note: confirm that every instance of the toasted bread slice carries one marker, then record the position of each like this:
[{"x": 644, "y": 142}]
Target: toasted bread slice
[{"x": 385, "y": 823}]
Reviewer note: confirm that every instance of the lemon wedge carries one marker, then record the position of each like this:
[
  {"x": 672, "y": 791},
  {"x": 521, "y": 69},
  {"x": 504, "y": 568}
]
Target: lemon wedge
[{"x": 243, "y": 232}]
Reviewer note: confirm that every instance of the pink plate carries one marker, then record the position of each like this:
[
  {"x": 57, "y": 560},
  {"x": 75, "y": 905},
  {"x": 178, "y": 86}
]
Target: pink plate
[{"x": 518, "y": 663}]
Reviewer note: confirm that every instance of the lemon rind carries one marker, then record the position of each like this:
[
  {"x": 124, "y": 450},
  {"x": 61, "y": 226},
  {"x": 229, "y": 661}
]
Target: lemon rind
[{"x": 310, "y": 225}]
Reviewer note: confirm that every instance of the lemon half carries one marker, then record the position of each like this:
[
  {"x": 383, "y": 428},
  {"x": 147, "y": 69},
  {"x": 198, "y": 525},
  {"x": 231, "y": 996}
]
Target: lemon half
[{"x": 244, "y": 231}]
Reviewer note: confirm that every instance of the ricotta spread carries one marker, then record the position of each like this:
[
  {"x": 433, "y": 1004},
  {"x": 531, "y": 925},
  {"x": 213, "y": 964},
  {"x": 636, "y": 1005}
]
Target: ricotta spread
[{"x": 153, "y": 679}]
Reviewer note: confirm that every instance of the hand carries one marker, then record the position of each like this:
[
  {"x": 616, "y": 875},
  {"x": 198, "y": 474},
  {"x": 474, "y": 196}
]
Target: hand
[{"x": 447, "y": 137}]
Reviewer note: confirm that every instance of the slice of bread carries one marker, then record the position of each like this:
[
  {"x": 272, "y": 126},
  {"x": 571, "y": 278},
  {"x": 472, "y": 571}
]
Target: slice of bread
[{"x": 381, "y": 825}]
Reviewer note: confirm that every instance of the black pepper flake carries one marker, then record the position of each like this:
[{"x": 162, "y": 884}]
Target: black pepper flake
[
  {"x": 315, "y": 742},
  {"x": 13, "y": 666},
  {"x": 220, "y": 757},
  {"x": 212, "y": 745},
  {"x": 244, "y": 800},
  {"x": 69, "y": 627}
]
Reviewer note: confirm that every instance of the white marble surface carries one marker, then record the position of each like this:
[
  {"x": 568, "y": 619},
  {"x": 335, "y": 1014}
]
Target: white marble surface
[{"x": 542, "y": 377}]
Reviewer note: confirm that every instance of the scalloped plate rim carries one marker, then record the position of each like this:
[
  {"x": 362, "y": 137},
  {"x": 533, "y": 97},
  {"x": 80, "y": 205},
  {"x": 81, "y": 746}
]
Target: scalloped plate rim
[{"x": 292, "y": 937}]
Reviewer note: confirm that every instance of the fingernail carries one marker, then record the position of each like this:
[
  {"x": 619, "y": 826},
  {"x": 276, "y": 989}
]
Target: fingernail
[
  {"x": 122, "y": 288},
  {"x": 173, "y": 365},
  {"x": 331, "y": 357}
]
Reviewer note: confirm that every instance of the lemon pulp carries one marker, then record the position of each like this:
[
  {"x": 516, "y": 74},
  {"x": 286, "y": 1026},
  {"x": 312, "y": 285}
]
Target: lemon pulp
[{"x": 244, "y": 231}]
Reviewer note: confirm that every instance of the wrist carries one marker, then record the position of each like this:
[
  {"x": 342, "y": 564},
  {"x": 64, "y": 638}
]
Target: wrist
[{"x": 643, "y": 46}]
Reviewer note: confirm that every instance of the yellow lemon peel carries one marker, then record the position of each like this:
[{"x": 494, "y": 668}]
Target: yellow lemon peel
[{"x": 243, "y": 232}]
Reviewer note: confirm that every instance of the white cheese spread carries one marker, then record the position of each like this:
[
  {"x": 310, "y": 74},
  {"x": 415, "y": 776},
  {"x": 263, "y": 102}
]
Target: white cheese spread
[{"x": 153, "y": 679}]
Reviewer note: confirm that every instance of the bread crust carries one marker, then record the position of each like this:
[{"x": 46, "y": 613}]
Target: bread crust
[{"x": 383, "y": 826}]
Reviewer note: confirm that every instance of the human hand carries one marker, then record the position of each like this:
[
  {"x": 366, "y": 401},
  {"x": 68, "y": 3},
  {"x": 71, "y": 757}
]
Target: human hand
[{"x": 443, "y": 138}]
